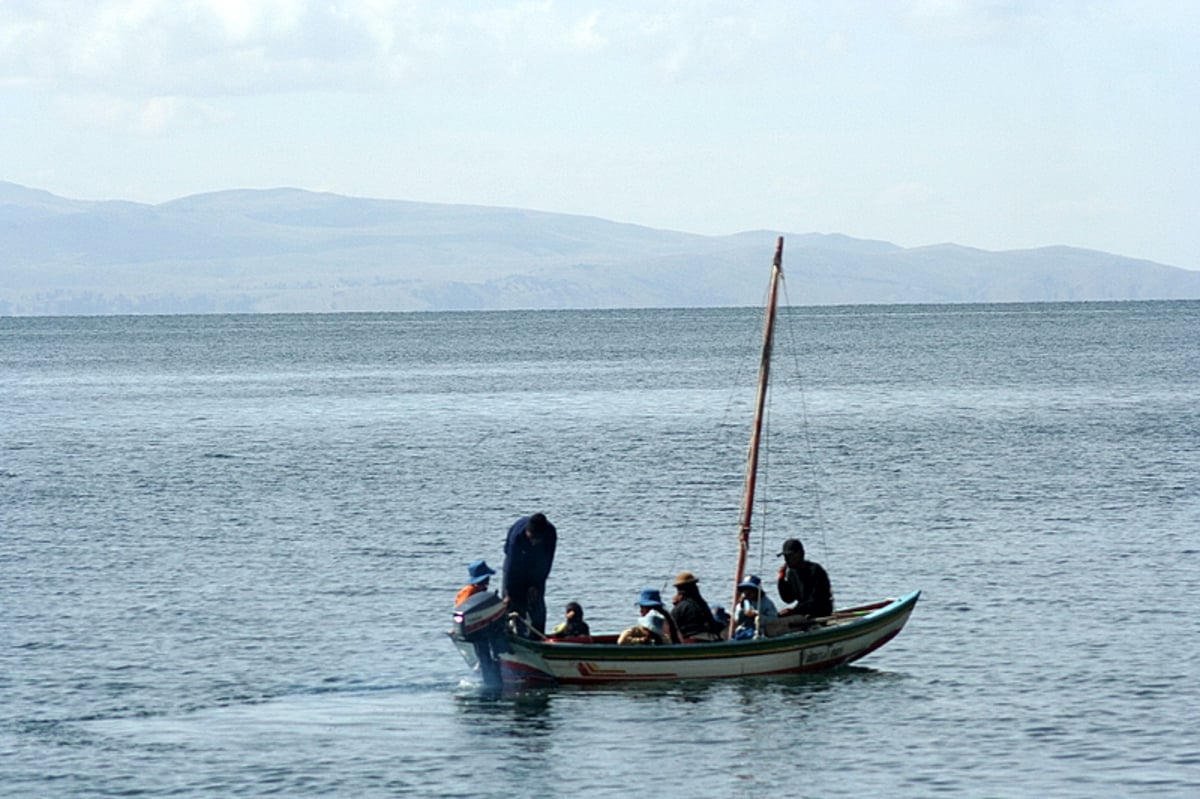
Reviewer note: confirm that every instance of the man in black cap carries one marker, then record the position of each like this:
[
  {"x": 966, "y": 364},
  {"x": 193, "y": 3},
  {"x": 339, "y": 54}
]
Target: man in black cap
[
  {"x": 803, "y": 582},
  {"x": 528, "y": 556}
]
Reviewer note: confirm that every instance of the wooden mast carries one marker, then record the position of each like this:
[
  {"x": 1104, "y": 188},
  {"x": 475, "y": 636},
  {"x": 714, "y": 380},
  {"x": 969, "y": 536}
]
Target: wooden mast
[{"x": 764, "y": 374}]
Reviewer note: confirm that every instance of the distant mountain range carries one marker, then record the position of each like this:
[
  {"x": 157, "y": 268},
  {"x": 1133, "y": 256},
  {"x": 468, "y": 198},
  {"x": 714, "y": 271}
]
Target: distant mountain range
[{"x": 288, "y": 250}]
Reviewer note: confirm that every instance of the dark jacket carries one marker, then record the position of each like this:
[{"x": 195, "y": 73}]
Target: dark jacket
[
  {"x": 809, "y": 588},
  {"x": 527, "y": 564},
  {"x": 692, "y": 617}
]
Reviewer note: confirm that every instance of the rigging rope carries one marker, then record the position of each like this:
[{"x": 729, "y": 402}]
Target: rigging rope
[{"x": 806, "y": 429}]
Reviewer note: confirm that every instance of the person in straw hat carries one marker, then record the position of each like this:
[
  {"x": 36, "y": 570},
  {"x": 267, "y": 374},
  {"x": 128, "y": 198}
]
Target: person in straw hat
[{"x": 691, "y": 614}]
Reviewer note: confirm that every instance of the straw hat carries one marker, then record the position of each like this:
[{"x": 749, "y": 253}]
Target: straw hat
[{"x": 685, "y": 578}]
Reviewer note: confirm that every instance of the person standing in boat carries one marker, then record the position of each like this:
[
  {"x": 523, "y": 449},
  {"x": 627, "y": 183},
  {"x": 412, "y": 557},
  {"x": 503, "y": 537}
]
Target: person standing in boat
[
  {"x": 803, "y": 582},
  {"x": 528, "y": 556},
  {"x": 691, "y": 614}
]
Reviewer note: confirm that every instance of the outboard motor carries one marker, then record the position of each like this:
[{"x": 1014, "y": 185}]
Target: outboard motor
[{"x": 478, "y": 633}]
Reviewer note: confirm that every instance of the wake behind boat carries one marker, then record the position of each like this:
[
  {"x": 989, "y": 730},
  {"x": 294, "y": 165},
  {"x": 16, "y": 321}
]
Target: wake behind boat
[{"x": 506, "y": 652}]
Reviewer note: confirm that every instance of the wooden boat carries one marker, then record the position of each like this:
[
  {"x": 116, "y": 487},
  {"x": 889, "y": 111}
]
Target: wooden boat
[{"x": 506, "y": 654}]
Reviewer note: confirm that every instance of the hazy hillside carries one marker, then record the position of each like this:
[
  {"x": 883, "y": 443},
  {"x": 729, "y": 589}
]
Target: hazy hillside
[{"x": 292, "y": 250}]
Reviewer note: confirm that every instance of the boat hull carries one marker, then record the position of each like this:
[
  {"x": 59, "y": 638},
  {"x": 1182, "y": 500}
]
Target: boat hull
[{"x": 847, "y": 636}]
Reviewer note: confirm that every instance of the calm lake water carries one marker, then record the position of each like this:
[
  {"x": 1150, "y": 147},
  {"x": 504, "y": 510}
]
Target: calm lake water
[{"x": 231, "y": 546}]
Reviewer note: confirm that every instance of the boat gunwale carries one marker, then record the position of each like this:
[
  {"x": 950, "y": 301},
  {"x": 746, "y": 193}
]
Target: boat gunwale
[{"x": 570, "y": 650}]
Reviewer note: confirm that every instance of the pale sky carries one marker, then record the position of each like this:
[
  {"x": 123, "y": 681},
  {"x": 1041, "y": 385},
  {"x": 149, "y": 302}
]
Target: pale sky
[{"x": 992, "y": 124}]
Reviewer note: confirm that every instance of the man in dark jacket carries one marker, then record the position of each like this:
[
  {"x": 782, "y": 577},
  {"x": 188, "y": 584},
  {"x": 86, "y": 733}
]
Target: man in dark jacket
[
  {"x": 528, "y": 556},
  {"x": 803, "y": 582}
]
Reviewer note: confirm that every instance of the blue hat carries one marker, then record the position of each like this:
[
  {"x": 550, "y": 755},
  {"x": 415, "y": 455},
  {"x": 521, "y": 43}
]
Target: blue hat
[
  {"x": 479, "y": 571},
  {"x": 753, "y": 581},
  {"x": 650, "y": 598}
]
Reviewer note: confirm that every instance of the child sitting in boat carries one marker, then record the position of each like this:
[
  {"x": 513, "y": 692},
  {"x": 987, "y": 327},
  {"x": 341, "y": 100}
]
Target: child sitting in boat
[{"x": 573, "y": 626}]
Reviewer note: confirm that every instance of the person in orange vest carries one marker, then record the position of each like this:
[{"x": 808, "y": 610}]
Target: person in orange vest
[{"x": 478, "y": 574}]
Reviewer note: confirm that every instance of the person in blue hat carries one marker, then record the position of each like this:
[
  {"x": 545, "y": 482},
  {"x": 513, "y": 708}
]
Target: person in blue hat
[
  {"x": 654, "y": 624},
  {"x": 478, "y": 575},
  {"x": 753, "y": 603}
]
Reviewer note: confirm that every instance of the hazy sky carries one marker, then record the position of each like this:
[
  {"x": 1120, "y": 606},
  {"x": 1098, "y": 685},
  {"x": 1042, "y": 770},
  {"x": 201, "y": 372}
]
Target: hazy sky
[{"x": 991, "y": 124}]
